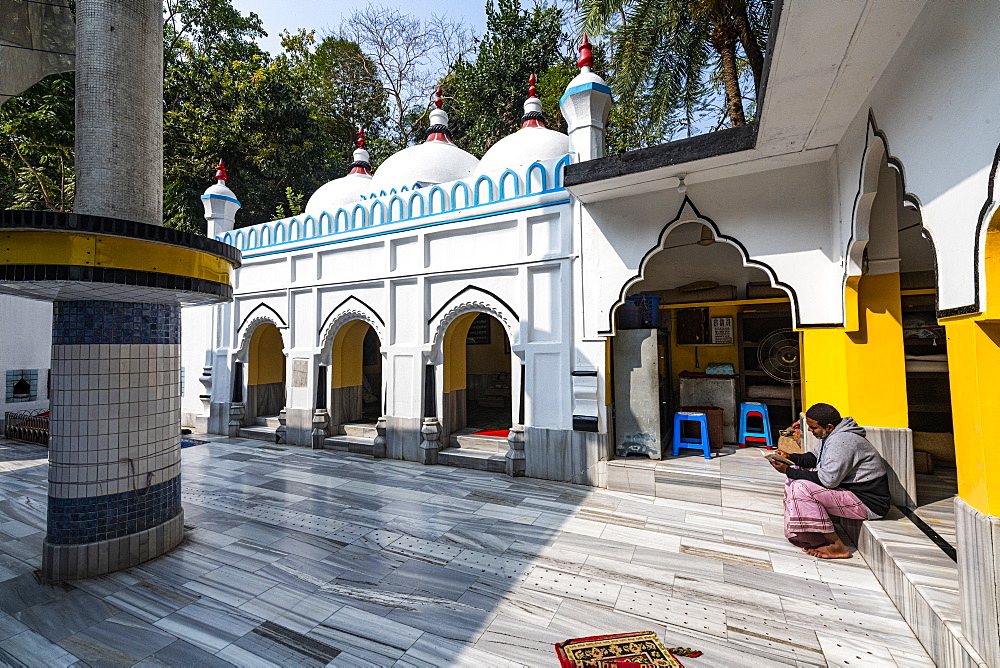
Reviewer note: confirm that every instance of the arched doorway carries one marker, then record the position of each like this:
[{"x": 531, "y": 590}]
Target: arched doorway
[
  {"x": 704, "y": 350},
  {"x": 477, "y": 391},
  {"x": 265, "y": 373},
  {"x": 898, "y": 248},
  {"x": 355, "y": 378}
]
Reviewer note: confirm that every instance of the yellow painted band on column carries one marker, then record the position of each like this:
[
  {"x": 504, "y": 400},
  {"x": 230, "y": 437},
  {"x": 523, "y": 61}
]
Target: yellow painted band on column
[
  {"x": 347, "y": 355},
  {"x": 862, "y": 373},
  {"x": 973, "y": 366},
  {"x": 95, "y": 250}
]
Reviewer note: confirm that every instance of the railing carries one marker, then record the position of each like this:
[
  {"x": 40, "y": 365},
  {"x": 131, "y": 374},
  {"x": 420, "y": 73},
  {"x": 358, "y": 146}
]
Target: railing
[
  {"x": 28, "y": 426},
  {"x": 409, "y": 203}
]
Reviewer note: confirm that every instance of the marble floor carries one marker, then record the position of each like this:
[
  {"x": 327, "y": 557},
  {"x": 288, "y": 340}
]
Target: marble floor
[{"x": 302, "y": 557}]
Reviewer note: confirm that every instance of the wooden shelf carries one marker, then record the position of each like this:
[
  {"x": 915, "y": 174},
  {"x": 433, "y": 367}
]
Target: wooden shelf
[{"x": 735, "y": 302}]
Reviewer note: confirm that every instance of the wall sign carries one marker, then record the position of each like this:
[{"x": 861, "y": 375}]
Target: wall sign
[{"x": 722, "y": 330}]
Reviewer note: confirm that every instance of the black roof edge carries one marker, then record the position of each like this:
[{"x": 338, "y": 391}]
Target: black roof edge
[
  {"x": 730, "y": 140},
  {"x": 708, "y": 145}
]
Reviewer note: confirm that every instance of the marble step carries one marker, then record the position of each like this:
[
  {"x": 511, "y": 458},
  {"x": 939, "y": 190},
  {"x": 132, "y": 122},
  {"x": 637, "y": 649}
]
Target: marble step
[
  {"x": 922, "y": 582},
  {"x": 359, "y": 431},
  {"x": 259, "y": 433},
  {"x": 267, "y": 421},
  {"x": 468, "y": 441},
  {"x": 472, "y": 459},
  {"x": 358, "y": 446}
]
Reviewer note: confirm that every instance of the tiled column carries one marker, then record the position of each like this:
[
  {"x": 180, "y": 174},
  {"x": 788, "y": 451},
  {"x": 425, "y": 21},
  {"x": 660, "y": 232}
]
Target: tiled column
[{"x": 114, "y": 449}]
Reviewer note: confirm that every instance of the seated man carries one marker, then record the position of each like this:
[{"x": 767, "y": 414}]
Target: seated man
[{"x": 845, "y": 477}]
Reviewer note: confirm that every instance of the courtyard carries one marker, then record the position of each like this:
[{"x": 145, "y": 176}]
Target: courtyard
[{"x": 297, "y": 557}]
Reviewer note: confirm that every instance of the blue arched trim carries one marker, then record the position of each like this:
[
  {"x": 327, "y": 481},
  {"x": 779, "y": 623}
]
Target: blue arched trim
[
  {"x": 419, "y": 199},
  {"x": 504, "y": 180},
  {"x": 442, "y": 200},
  {"x": 539, "y": 168},
  {"x": 465, "y": 191},
  {"x": 355, "y": 224},
  {"x": 397, "y": 210},
  {"x": 476, "y": 200},
  {"x": 559, "y": 171}
]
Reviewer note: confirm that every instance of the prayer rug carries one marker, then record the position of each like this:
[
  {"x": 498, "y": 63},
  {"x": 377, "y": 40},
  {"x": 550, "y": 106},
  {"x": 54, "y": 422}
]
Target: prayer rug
[
  {"x": 620, "y": 650},
  {"x": 501, "y": 433}
]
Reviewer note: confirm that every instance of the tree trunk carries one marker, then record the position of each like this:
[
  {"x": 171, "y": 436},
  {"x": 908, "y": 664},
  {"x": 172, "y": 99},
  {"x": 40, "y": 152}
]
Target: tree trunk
[
  {"x": 724, "y": 43},
  {"x": 754, "y": 55}
]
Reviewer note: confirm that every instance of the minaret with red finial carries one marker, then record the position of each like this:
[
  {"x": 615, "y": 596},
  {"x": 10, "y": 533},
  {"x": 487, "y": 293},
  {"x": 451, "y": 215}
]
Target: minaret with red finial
[
  {"x": 585, "y": 106},
  {"x": 532, "y": 117},
  {"x": 220, "y": 204},
  {"x": 362, "y": 159},
  {"x": 438, "y": 131}
]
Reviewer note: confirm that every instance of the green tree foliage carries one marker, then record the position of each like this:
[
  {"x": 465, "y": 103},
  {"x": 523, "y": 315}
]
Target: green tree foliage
[
  {"x": 284, "y": 125},
  {"x": 672, "y": 59},
  {"x": 485, "y": 96},
  {"x": 36, "y": 146}
]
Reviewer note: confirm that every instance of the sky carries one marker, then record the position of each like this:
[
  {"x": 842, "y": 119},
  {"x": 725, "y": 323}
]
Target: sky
[{"x": 279, "y": 15}]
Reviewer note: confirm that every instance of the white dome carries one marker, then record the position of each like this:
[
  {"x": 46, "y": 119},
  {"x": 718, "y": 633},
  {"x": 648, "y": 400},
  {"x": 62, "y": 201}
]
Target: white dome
[
  {"x": 339, "y": 193},
  {"x": 523, "y": 148},
  {"x": 430, "y": 162}
]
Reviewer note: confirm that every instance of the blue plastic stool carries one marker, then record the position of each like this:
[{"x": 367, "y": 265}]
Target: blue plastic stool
[
  {"x": 700, "y": 443},
  {"x": 755, "y": 408}
]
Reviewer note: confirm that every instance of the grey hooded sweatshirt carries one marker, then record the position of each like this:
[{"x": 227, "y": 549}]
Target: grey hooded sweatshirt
[{"x": 846, "y": 459}]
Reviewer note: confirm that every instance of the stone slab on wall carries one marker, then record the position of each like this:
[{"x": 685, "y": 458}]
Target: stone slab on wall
[
  {"x": 403, "y": 438},
  {"x": 298, "y": 426},
  {"x": 979, "y": 579},
  {"x": 637, "y": 393},
  {"x": 896, "y": 448},
  {"x": 566, "y": 456}
]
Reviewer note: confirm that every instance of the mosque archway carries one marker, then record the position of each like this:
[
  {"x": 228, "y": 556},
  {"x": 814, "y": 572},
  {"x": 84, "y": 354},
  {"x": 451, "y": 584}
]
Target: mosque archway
[
  {"x": 356, "y": 387},
  {"x": 690, "y": 337},
  {"x": 477, "y": 377},
  {"x": 265, "y": 373}
]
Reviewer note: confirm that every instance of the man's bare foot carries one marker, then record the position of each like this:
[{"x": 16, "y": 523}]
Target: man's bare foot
[{"x": 832, "y": 551}]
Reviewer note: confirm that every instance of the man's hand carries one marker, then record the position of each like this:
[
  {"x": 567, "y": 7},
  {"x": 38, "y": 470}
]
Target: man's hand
[
  {"x": 781, "y": 453},
  {"x": 780, "y": 467}
]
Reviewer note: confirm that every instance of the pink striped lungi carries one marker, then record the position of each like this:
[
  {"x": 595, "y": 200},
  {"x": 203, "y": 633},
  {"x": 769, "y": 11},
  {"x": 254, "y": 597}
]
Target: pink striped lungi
[{"x": 808, "y": 508}]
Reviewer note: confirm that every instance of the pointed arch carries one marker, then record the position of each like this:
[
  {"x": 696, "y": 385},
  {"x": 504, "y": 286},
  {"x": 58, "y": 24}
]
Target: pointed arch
[
  {"x": 355, "y": 223},
  {"x": 252, "y": 238},
  {"x": 688, "y": 213},
  {"x": 259, "y": 315},
  {"x": 239, "y": 240},
  {"x": 377, "y": 214},
  {"x": 472, "y": 299},
  {"x": 325, "y": 224},
  {"x": 350, "y": 309},
  {"x": 341, "y": 220}
]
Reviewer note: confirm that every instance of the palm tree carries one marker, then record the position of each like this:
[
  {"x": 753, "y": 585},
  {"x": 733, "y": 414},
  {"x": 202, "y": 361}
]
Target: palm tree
[{"x": 673, "y": 54}]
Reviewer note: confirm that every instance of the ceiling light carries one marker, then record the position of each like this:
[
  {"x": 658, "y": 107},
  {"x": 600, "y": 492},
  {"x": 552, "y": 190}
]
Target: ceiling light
[{"x": 681, "y": 186}]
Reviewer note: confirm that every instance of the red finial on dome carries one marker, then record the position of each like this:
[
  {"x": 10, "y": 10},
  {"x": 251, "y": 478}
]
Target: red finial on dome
[
  {"x": 586, "y": 57},
  {"x": 361, "y": 137},
  {"x": 437, "y": 98},
  {"x": 220, "y": 172},
  {"x": 532, "y": 91}
]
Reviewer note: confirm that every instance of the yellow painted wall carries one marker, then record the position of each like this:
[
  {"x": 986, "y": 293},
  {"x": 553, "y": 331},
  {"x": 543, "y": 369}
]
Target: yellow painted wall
[
  {"x": 454, "y": 352},
  {"x": 266, "y": 359},
  {"x": 347, "y": 353},
  {"x": 862, "y": 372},
  {"x": 489, "y": 359},
  {"x": 682, "y": 356},
  {"x": 973, "y": 366}
]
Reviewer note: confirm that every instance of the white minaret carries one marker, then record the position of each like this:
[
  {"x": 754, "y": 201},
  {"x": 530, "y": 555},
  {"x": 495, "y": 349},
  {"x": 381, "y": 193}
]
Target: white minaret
[
  {"x": 585, "y": 106},
  {"x": 221, "y": 204}
]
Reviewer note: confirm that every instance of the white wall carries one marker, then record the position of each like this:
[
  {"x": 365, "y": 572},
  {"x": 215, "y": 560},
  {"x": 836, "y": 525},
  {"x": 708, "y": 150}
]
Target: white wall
[{"x": 25, "y": 343}]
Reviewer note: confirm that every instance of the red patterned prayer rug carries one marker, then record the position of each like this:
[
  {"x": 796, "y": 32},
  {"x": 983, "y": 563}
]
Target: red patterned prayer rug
[
  {"x": 501, "y": 433},
  {"x": 620, "y": 650}
]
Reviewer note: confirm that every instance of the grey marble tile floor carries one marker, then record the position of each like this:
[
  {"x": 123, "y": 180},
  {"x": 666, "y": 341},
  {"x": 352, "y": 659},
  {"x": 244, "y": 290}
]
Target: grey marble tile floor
[{"x": 296, "y": 557}]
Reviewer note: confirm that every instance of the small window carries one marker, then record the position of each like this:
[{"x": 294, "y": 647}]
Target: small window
[
  {"x": 22, "y": 385},
  {"x": 182, "y": 381}
]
